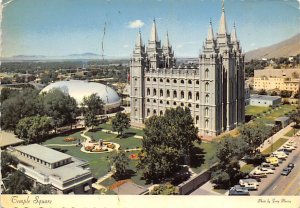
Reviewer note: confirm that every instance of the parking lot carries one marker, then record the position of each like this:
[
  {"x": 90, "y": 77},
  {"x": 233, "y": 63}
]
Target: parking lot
[{"x": 277, "y": 184}]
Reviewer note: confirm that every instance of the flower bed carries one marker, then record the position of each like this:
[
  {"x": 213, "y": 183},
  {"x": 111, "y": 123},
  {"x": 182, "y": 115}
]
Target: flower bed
[
  {"x": 70, "y": 139},
  {"x": 134, "y": 157},
  {"x": 89, "y": 148}
]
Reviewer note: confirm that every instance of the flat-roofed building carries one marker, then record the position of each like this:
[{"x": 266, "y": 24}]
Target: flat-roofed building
[
  {"x": 264, "y": 100},
  {"x": 277, "y": 79},
  {"x": 66, "y": 174}
]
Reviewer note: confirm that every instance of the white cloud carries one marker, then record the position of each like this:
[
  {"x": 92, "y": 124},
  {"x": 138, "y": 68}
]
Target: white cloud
[
  {"x": 136, "y": 24},
  {"x": 125, "y": 46}
]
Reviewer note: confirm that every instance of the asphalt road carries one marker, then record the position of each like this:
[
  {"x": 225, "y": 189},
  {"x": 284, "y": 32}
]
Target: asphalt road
[{"x": 276, "y": 184}]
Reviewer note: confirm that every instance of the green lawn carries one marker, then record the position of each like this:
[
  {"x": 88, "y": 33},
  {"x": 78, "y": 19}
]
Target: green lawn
[
  {"x": 276, "y": 145},
  {"x": 254, "y": 110},
  {"x": 131, "y": 130},
  {"x": 209, "y": 156},
  {"x": 271, "y": 116},
  {"x": 247, "y": 168},
  {"x": 126, "y": 143},
  {"x": 291, "y": 132},
  {"x": 60, "y": 139}
]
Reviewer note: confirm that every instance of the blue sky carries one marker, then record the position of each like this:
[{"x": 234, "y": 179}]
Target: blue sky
[{"x": 62, "y": 27}]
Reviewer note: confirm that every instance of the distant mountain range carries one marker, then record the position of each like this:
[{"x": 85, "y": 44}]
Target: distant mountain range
[
  {"x": 286, "y": 48},
  {"x": 81, "y": 56}
]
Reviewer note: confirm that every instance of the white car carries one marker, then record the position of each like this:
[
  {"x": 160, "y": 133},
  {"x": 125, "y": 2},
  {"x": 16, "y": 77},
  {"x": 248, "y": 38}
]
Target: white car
[
  {"x": 279, "y": 155},
  {"x": 291, "y": 147},
  {"x": 262, "y": 171},
  {"x": 266, "y": 170},
  {"x": 251, "y": 184}
]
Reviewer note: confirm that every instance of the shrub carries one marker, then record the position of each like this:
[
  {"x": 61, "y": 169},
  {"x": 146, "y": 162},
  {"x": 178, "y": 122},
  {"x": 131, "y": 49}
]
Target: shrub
[{"x": 70, "y": 139}]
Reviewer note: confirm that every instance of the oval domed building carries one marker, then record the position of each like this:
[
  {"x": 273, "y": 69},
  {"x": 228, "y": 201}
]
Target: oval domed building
[{"x": 78, "y": 89}]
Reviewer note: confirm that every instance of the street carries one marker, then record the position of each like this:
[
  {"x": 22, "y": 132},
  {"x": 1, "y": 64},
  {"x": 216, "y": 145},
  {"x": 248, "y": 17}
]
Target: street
[{"x": 276, "y": 184}]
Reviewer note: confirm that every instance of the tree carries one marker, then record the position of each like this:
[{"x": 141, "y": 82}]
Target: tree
[
  {"x": 167, "y": 144},
  {"x": 60, "y": 107},
  {"x": 42, "y": 189},
  {"x": 254, "y": 134},
  {"x": 285, "y": 93},
  {"x": 33, "y": 129},
  {"x": 20, "y": 105},
  {"x": 229, "y": 152},
  {"x": 17, "y": 183},
  {"x": 262, "y": 92},
  {"x": 6, "y": 161},
  {"x": 91, "y": 107},
  {"x": 120, "y": 162},
  {"x": 120, "y": 122},
  {"x": 7, "y": 93},
  {"x": 165, "y": 189},
  {"x": 296, "y": 117}
]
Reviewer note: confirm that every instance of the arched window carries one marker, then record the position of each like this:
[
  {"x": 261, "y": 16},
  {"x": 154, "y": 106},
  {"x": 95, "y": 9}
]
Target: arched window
[
  {"x": 206, "y": 86},
  {"x": 197, "y": 106},
  {"x": 206, "y": 111},
  {"x": 190, "y": 95},
  {"x": 206, "y": 123},
  {"x": 160, "y": 113},
  {"x": 148, "y": 100},
  {"x": 197, "y": 82},
  {"x": 174, "y": 103},
  {"x": 182, "y": 81},
  {"x": 175, "y": 81},
  {"x": 168, "y": 103},
  {"x": 182, "y": 95},
  {"x": 135, "y": 91},
  {"x": 154, "y": 112},
  {"x": 182, "y": 104},
  {"x": 168, "y": 81},
  {"x": 154, "y": 80},
  {"x": 161, "y": 93},
  {"x": 154, "y": 92},
  {"x": 190, "y": 82},
  {"x": 197, "y": 119},
  {"x": 148, "y": 79},
  {"x": 174, "y": 94},
  {"x": 197, "y": 96},
  {"x": 168, "y": 93},
  {"x": 161, "y": 80},
  {"x": 148, "y": 112},
  {"x": 161, "y": 102},
  {"x": 206, "y": 98},
  {"x": 154, "y": 101},
  {"x": 148, "y": 91},
  {"x": 190, "y": 105},
  {"x": 206, "y": 73}
]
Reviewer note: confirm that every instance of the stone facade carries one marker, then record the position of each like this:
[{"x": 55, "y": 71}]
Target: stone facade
[{"x": 214, "y": 92}]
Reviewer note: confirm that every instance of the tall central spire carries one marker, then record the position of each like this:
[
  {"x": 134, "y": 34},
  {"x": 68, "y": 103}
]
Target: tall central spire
[
  {"x": 154, "y": 36},
  {"x": 223, "y": 24},
  {"x": 210, "y": 33},
  {"x": 139, "y": 41}
]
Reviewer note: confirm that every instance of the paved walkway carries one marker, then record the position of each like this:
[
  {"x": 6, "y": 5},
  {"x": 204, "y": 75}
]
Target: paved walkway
[
  {"x": 114, "y": 132},
  {"x": 268, "y": 142},
  {"x": 60, "y": 145}
]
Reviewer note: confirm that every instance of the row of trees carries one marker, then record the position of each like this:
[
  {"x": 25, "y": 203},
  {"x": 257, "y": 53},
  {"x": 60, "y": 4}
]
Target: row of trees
[
  {"x": 282, "y": 93},
  {"x": 230, "y": 150},
  {"x": 32, "y": 115}
]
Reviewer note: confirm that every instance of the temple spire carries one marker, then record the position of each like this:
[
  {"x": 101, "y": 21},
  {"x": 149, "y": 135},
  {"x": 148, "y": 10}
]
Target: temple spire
[
  {"x": 210, "y": 33},
  {"x": 223, "y": 24},
  {"x": 167, "y": 42},
  {"x": 139, "y": 42},
  {"x": 154, "y": 36},
  {"x": 233, "y": 34}
]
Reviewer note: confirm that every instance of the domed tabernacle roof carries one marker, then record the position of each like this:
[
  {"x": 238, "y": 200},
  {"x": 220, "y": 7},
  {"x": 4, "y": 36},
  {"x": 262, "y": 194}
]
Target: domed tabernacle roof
[{"x": 78, "y": 89}]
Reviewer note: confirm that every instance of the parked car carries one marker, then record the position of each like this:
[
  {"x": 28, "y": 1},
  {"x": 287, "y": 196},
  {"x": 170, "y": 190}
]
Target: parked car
[
  {"x": 286, "y": 171},
  {"x": 238, "y": 191},
  {"x": 285, "y": 150},
  {"x": 250, "y": 184},
  {"x": 267, "y": 165},
  {"x": 272, "y": 160},
  {"x": 279, "y": 155},
  {"x": 266, "y": 170},
  {"x": 257, "y": 178}
]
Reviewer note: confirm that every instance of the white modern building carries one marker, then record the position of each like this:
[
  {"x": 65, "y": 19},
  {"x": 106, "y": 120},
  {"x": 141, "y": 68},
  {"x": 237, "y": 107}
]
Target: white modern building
[
  {"x": 264, "y": 100},
  {"x": 66, "y": 174},
  {"x": 78, "y": 89}
]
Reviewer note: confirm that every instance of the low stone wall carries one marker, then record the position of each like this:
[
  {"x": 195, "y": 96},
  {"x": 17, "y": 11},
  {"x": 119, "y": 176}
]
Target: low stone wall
[{"x": 195, "y": 182}]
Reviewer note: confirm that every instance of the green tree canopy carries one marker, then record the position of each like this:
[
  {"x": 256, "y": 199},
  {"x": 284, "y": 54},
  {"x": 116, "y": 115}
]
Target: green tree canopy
[
  {"x": 91, "y": 107},
  {"x": 17, "y": 183},
  {"x": 42, "y": 189},
  {"x": 33, "y": 129},
  {"x": 120, "y": 122},
  {"x": 7, "y": 160},
  {"x": 167, "y": 144},
  {"x": 60, "y": 107},
  {"x": 165, "y": 189},
  {"x": 120, "y": 162}
]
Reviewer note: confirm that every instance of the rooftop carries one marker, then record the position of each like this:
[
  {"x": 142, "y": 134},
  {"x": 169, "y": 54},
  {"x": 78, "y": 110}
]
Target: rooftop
[
  {"x": 43, "y": 153},
  {"x": 7, "y": 139},
  {"x": 282, "y": 119},
  {"x": 264, "y": 97}
]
